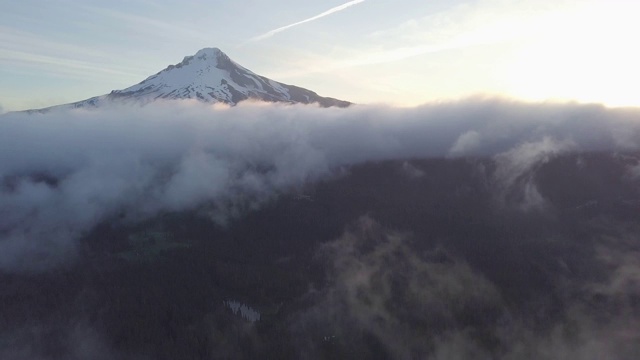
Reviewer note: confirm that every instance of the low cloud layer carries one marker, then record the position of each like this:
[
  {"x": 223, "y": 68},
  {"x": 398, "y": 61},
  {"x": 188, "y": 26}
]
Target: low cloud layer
[{"x": 61, "y": 173}]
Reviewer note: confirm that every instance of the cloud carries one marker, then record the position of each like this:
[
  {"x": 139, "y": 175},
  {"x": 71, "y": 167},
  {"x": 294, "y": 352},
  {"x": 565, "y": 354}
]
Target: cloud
[
  {"x": 412, "y": 171},
  {"x": 516, "y": 167},
  {"x": 269, "y": 34},
  {"x": 60, "y": 58},
  {"x": 466, "y": 143},
  {"x": 485, "y": 22},
  {"x": 63, "y": 172}
]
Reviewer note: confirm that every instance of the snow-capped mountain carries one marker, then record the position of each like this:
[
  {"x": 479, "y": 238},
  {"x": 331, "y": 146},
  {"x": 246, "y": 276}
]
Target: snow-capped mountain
[{"x": 209, "y": 76}]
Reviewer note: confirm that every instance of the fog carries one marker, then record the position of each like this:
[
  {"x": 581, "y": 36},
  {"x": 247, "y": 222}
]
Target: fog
[{"x": 63, "y": 172}]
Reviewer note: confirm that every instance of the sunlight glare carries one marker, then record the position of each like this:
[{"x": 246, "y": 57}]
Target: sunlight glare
[{"x": 586, "y": 55}]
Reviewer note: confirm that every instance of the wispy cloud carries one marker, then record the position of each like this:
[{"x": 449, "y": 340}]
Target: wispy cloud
[
  {"x": 21, "y": 50},
  {"x": 157, "y": 26},
  {"x": 64, "y": 65},
  {"x": 321, "y": 15}
]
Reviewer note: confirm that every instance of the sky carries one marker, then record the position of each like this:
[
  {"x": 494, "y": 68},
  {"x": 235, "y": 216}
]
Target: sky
[{"x": 397, "y": 52}]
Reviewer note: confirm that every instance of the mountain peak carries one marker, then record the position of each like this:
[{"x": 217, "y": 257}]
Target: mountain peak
[
  {"x": 211, "y": 76},
  {"x": 209, "y": 52},
  {"x": 207, "y": 55}
]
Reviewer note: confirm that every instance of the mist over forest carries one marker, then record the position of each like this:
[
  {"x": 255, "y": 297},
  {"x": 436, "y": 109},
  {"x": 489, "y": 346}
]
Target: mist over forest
[{"x": 480, "y": 228}]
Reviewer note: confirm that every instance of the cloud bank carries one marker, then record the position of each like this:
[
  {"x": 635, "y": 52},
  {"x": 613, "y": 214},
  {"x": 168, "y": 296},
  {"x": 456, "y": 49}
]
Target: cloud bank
[{"x": 61, "y": 173}]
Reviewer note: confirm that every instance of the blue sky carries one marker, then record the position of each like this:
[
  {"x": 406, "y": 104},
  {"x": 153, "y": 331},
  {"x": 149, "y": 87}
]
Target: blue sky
[{"x": 402, "y": 52}]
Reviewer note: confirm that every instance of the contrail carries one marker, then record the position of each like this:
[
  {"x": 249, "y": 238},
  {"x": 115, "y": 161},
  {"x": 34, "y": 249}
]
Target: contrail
[{"x": 328, "y": 12}]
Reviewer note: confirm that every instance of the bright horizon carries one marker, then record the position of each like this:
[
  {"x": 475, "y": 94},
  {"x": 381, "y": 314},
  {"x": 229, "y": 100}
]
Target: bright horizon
[{"x": 401, "y": 53}]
